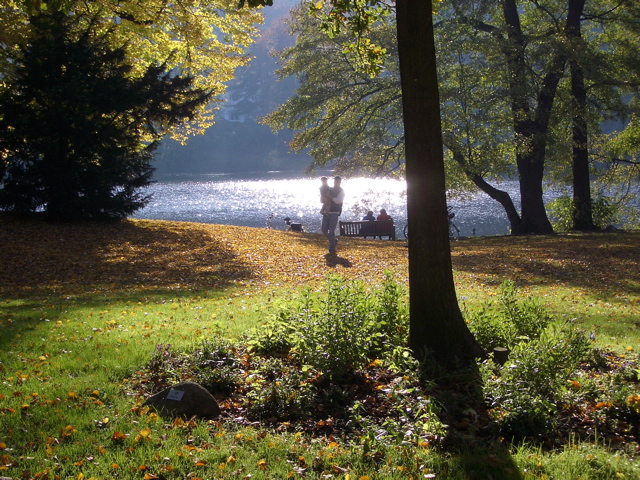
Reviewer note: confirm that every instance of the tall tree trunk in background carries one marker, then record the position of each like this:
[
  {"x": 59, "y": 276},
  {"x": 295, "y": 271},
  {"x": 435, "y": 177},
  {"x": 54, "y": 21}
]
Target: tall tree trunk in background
[
  {"x": 530, "y": 127},
  {"x": 437, "y": 328},
  {"x": 582, "y": 212}
]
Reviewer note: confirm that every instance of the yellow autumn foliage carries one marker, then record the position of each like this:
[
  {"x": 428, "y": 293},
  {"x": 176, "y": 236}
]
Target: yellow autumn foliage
[{"x": 203, "y": 38}]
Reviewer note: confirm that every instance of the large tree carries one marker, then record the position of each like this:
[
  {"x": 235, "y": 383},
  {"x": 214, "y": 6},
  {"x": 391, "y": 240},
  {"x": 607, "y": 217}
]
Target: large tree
[
  {"x": 569, "y": 71},
  {"x": 534, "y": 60},
  {"x": 602, "y": 86},
  {"x": 437, "y": 328},
  {"x": 353, "y": 121},
  {"x": 204, "y": 39},
  {"x": 77, "y": 131}
]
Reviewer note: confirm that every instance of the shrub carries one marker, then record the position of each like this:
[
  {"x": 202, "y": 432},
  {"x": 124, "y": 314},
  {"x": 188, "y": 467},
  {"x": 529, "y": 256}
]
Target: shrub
[
  {"x": 526, "y": 392},
  {"x": 604, "y": 211},
  {"x": 339, "y": 332},
  {"x": 279, "y": 392},
  {"x": 391, "y": 320},
  {"x": 217, "y": 365},
  {"x": 510, "y": 322}
]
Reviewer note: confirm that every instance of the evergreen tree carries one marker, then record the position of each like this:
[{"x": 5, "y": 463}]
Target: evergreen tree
[
  {"x": 206, "y": 39},
  {"x": 77, "y": 131}
]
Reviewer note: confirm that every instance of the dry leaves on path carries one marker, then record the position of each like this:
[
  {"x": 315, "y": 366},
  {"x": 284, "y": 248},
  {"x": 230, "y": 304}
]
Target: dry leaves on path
[{"x": 151, "y": 254}]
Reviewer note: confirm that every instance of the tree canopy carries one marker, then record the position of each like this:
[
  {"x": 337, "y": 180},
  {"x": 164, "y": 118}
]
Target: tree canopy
[
  {"x": 204, "y": 39},
  {"x": 77, "y": 130},
  {"x": 344, "y": 116},
  {"x": 351, "y": 126}
]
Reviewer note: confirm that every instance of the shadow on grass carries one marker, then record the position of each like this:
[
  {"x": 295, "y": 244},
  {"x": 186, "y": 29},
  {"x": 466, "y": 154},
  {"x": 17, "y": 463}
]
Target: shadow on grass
[
  {"x": 47, "y": 269},
  {"x": 473, "y": 441},
  {"x": 600, "y": 262},
  {"x": 334, "y": 260},
  {"x": 98, "y": 258}
]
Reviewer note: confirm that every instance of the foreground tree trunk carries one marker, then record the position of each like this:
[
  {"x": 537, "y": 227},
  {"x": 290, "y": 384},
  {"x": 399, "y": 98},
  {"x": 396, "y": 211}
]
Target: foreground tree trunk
[{"x": 437, "y": 329}]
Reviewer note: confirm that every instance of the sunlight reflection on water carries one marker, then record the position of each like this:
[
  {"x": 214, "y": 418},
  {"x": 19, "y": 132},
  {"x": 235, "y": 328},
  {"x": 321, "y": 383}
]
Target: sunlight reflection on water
[{"x": 233, "y": 200}]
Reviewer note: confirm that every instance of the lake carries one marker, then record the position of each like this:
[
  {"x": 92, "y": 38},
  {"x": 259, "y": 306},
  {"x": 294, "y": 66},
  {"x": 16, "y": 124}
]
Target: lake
[{"x": 250, "y": 199}]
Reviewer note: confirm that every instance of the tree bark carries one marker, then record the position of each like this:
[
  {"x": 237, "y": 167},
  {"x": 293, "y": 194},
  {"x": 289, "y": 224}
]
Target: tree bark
[
  {"x": 503, "y": 198},
  {"x": 500, "y": 196},
  {"x": 582, "y": 214},
  {"x": 437, "y": 328},
  {"x": 530, "y": 127},
  {"x": 582, "y": 208}
]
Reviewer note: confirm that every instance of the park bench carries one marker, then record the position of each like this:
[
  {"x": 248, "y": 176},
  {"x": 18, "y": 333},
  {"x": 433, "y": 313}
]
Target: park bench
[{"x": 371, "y": 228}]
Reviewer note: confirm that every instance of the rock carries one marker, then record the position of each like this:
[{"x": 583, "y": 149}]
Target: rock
[{"x": 186, "y": 400}]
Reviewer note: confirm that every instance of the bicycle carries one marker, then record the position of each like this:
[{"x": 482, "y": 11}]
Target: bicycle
[{"x": 454, "y": 231}]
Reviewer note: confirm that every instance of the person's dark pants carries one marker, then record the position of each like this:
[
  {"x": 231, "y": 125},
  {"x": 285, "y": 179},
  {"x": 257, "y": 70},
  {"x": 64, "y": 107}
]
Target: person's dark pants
[{"x": 329, "y": 224}]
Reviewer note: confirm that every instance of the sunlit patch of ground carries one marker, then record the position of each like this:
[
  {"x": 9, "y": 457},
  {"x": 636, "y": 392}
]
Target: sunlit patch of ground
[
  {"x": 144, "y": 254},
  {"x": 149, "y": 254}
]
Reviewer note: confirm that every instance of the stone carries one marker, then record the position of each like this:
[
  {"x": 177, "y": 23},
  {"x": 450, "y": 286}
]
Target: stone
[{"x": 187, "y": 400}]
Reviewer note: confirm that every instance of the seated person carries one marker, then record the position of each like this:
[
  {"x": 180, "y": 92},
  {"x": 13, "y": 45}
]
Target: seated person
[
  {"x": 384, "y": 215},
  {"x": 369, "y": 216},
  {"x": 364, "y": 229}
]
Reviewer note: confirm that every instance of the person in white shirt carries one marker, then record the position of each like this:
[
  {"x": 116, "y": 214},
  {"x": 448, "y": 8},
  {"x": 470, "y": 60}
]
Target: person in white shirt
[{"x": 330, "y": 220}]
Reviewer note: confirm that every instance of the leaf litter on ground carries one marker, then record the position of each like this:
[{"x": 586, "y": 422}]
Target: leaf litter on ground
[
  {"x": 147, "y": 254},
  {"x": 158, "y": 255}
]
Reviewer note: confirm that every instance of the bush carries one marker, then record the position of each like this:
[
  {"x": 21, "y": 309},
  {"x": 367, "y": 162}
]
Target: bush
[
  {"x": 603, "y": 210},
  {"x": 527, "y": 391},
  {"x": 510, "y": 322},
  {"x": 339, "y": 332},
  {"x": 217, "y": 366},
  {"x": 279, "y": 392}
]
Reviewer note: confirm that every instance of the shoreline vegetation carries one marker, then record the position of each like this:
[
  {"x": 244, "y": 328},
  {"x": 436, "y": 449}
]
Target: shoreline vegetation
[{"x": 85, "y": 308}]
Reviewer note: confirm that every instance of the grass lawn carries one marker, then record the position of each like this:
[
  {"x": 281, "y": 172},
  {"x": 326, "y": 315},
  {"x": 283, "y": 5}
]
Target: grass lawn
[{"x": 83, "y": 308}]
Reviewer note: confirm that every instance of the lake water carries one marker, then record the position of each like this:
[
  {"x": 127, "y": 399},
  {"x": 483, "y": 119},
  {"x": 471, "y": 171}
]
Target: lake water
[{"x": 250, "y": 199}]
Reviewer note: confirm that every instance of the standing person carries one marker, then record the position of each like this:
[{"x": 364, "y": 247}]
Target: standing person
[
  {"x": 330, "y": 220},
  {"x": 325, "y": 199}
]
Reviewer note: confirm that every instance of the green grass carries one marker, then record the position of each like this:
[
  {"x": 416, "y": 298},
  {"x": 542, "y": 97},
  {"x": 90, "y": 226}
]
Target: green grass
[{"x": 66, "y": 411}]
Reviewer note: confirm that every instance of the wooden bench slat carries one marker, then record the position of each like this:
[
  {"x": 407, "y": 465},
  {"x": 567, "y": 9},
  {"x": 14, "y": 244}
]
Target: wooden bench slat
[{"x": 372, "y": 228}]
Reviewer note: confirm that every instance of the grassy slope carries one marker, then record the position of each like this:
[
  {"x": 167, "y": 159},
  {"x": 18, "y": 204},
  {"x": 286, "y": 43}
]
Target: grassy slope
[
  {"x": 592, "y": 277},
  {"x": 82, "y": 307}
]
